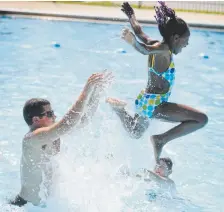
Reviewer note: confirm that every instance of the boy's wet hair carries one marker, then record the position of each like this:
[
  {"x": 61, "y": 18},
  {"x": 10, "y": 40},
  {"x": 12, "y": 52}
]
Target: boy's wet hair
[
  {"x": 168, "y": 162},
  {"x": 33, "y": 107},
  {"x": 168, "y": 23}
]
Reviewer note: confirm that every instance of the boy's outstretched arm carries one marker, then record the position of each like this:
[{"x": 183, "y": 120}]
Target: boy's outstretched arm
[
  {"x": 71, "y": 119},
  {"x": 94, "y": 99},
  {"x": 128, "y": 10}
]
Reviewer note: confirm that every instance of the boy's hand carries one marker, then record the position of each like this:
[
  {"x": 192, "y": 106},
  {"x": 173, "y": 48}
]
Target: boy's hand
[
  {"x": 98, "y": 80},
  {"x": 93, "y": 80},
  {"x": 107, "y": 78}
]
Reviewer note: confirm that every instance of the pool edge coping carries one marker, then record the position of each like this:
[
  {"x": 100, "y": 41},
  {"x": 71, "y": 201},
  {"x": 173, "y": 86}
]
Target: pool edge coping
[{"x": 11, "y": 12}]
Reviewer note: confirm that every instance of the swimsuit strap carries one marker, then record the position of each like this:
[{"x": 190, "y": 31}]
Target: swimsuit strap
[
  {"x": 152, "y": 61},
  {"x": 151, "y": 68}
]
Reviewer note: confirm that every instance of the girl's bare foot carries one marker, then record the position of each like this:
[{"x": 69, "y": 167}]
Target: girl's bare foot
[{"x": 116, "y": 103}]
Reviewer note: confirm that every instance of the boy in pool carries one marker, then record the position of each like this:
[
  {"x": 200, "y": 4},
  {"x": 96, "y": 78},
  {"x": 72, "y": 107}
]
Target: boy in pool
[
  {"x": 160, "y": 176},
  {"x": 42, "y": 141},
  {"x": 153, "y": 101}
]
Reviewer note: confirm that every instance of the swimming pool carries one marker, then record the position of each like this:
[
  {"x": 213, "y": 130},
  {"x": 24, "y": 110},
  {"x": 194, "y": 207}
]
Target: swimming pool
[{"x": 31, "y": 66}]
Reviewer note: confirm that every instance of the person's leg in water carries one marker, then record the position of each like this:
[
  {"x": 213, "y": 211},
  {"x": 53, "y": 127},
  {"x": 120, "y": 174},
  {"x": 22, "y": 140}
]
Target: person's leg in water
[
  {"x": 191, "y": 120},
  {"x": 135, "y": 126}
]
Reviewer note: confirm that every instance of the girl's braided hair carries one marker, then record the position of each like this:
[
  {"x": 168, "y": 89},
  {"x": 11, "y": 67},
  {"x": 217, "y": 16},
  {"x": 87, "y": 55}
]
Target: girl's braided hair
[{"x": 168, "y": 23}]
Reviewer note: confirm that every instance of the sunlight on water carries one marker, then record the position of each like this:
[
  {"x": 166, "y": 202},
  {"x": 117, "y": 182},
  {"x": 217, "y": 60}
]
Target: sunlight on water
[{"x": 87, "y": 170}]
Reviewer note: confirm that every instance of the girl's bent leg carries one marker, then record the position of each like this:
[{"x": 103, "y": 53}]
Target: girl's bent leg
[
  {"x": 191, "y": 120},
  {"x": 134, "y": 126}
]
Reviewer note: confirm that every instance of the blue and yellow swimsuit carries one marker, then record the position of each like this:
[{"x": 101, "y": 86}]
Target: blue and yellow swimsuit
[{"x": 146, "y": 103}]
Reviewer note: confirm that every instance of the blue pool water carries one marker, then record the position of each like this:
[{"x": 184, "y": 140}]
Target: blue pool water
[{"x": 31, "y": 66}]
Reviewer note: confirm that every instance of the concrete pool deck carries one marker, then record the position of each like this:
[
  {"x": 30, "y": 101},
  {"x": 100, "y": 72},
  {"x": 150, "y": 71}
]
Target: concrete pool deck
[{"x": 100, "y": 13}]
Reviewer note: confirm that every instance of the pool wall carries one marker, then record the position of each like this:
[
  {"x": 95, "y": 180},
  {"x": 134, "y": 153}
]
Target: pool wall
[{"x": 105, "y": 14}]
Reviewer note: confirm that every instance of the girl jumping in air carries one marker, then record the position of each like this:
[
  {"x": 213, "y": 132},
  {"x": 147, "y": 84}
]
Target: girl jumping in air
[{"x": 153, "y": 101}]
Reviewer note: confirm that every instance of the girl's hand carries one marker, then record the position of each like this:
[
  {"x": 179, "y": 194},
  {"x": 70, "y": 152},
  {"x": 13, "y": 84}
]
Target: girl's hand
[
  {"x": 127, "y": 9},
  {"x": 128, "y": 36}
]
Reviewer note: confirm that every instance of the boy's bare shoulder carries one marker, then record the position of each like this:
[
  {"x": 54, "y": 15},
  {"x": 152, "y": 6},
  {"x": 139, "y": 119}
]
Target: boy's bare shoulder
[
  {"x": 28, "y": 135},
  {"x": 27, "y": 138},
  {"x": 171, "y": 181}
]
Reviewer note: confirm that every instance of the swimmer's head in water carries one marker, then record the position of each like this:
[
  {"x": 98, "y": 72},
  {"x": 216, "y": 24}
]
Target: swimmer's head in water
[
  {"x": 38, "y": 112},
  {"x": 174, "y": 30},
  {"x": 164, "y": 167}
]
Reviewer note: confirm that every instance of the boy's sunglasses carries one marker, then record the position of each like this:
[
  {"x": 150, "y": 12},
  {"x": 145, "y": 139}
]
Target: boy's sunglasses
[{"x": 49, "y": 114}]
